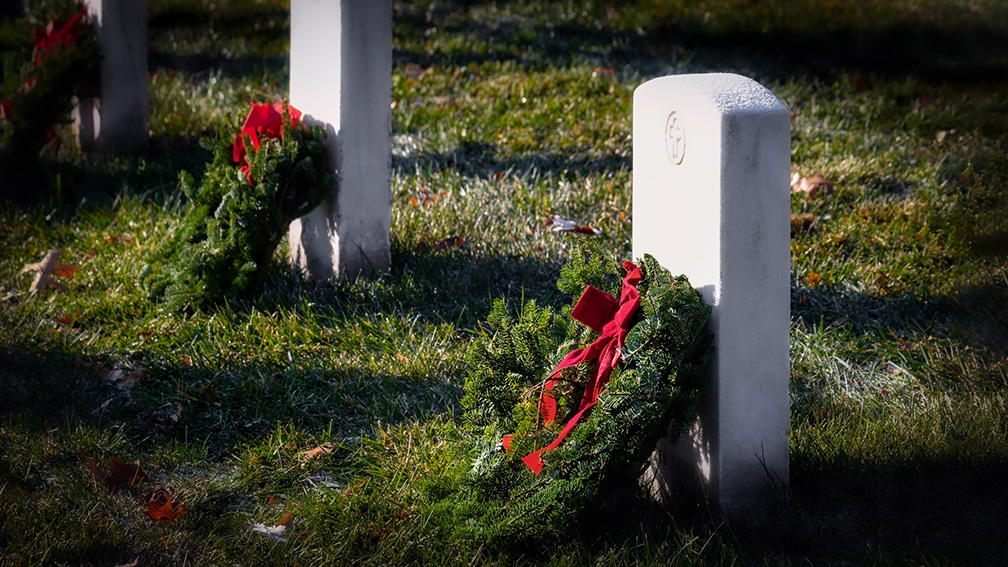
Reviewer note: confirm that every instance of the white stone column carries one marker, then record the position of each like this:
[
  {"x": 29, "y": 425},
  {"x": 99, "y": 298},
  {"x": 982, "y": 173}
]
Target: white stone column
[
  {"x": 341, "y": 77},
  {"x": 711, "y": 160},
  {"x": 116, "y": 121}
]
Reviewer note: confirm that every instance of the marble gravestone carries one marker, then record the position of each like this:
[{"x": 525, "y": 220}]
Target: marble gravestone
[
  {"x": 711, "y": 200},
  {"x": 341, "y": 78},
  {"x": 116, "y": 121}
]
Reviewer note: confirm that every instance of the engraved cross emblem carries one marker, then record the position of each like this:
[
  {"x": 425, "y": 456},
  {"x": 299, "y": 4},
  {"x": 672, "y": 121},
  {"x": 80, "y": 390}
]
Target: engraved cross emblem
[{"x": 675, "y": 138}]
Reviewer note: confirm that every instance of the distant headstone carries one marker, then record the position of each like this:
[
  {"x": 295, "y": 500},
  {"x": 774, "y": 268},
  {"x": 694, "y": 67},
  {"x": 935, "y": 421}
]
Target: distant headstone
[
  {"x": 711, "y": 164},
  {"x": 341, "y": 77},
  {"x": 117, "y": 120}
]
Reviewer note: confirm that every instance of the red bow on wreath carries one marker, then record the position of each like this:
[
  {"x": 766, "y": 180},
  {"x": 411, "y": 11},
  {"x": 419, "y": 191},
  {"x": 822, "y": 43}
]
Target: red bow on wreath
[
  {"x": 52, "y": 36},
  {"x": 603, "y": 314},
  {"x": 265, "y": 120},
  {"x": 46, "y": 40}
]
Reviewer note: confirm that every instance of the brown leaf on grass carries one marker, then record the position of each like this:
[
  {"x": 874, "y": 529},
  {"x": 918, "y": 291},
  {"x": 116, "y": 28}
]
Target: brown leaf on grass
[
  {"x": 123, "y": 379},
  {"x": 46, "y": 270},
  {"x": 122, "y": 474},
  {"x": 802, "y": 221},
  {"x": 448, "y": 242},
  {"x": 813, "y": 279},
  {"x": 415, "y": 71},
  {"x": 168, "y": 416},
  {"x": 323, "y": 449},
  {"x": 812, "y": 186},
  {"x": 279, "y": 533},
  {"x": 559, "y": 224},
  {"x": 160, "y": 506}
]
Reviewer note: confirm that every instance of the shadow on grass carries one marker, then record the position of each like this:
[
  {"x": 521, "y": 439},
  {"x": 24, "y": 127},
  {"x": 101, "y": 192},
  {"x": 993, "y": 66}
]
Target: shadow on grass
[
  {"x": 455, "y": 286},
  {"x": 221, "y": 408},
  {"x": 930, "y": 511},
  {"x": 264, "y": 28},
  {"x": 962, "y": 51},
  {"x": 486, "y": 161},
  {"x": 97, "y": 180}
]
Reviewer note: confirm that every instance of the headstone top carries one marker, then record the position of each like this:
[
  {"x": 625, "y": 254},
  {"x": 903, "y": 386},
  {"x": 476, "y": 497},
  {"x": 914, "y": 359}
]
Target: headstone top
[{"x": 728, "y": 92}]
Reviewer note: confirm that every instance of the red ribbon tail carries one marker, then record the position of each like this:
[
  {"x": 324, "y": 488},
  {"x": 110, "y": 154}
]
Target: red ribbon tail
[{"x": 534, "y": 461}]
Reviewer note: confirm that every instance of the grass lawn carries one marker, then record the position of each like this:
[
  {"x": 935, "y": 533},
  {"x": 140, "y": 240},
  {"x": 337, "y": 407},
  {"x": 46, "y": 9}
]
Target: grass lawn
[{"x": 505, "y": 113}]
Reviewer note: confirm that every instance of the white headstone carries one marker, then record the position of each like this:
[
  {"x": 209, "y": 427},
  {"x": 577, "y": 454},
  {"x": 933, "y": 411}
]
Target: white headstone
[
  {"x": 711, "y": 200},
  {"x": 341, "y": 77},
  {"x": 117, "y": 120}
]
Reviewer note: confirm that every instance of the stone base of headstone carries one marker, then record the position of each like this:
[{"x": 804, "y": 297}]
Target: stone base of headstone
[
  {"x": 117, "y": 122},
  {"x": 711, "y": 200},
  {"x": 341, "y": 77}
]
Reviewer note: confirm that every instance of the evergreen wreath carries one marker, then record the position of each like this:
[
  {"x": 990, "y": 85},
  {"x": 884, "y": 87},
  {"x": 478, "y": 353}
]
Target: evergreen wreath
[
  {"x": 49, "y": 57},
  {"x": 274, "y": 171},
  {"x": 652, "y": 390}
]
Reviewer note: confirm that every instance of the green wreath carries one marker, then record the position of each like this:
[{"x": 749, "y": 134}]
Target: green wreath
[
  {"x": 49, "y": 57},
  {"x": 274, "y": 171},
  {"x": 654, "y": 386}
]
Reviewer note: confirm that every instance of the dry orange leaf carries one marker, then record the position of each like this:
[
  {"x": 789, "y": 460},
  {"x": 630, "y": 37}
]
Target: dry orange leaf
[
  {"x": 122, "y": 474},
  {"x": 812, "y": 186},
  {"x": 48, "y": 268},
  {"x": 160, "y": 505},
  {"x": 813, "y": 279},
  {"x": 323, "y": 449}
]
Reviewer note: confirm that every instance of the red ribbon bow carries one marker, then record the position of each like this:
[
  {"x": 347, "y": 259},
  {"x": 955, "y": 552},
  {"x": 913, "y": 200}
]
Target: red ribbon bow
[
  {"x": 603, "y": 314},
  {"x": 264, "y": 119},
  {"x": 52, "y": 36}
]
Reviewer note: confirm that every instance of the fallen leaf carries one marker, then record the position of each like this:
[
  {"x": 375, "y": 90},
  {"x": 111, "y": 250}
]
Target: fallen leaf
[
  {"x": 130, "y": 564},
  {"x": 415, "y": 71},
  {"x": 64, "y": 319},
  {"x": 123, "y": 379},
  {"x": 323, "y": 449},
  {"x": 160, "y": 505},
  {"x": 448, "y": 243},
  {"x": 277, "y": 533},
  {"x": 168, "y": 416},
  {"x": 122, "y": 474},
  {"x": 883, "y": 283},
  {"x": 940, "y": 135},
  {"x": 802, "y": 221},
  {"x": 812, "y": 186},
  {"x": 813, "y": 279},
  {"x": 48, "y": 268},
  {"x": 559, "y": 224}
]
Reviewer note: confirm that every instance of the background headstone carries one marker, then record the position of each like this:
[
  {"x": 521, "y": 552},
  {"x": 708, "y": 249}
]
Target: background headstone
[
  {"x": 116, "y": 121},
  {"x": 711, "y": 200},
  {"x": 341, "y": 77}
]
